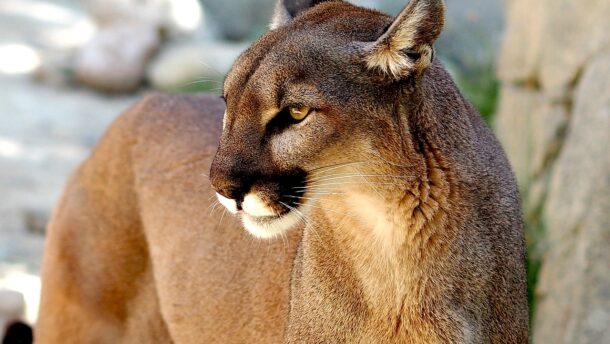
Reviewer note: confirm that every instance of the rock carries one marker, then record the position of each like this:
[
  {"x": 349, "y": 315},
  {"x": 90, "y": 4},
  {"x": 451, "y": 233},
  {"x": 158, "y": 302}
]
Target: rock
[
  {"x": 574, "y": 290},
  {"x": 56, "y": 69},
  {"x": 471, "y": 38},
  {"x": 549, "y": 41},
  {"x": 12, "y": 305},
  {"x": 115, "y": 59},
  {"x": 172, "y": 16},
  {"x": 35, "y": 221},
  {"x": 240, "y": 20},
  {"x": 547, "y": 127},
  {"x": 575, "y": 31},
  {"x": 514, "y": 125},
  {"x": 554, "y": 121},
  {"x": 183, "y": 64},
  {"x": 521, "y": 49}
]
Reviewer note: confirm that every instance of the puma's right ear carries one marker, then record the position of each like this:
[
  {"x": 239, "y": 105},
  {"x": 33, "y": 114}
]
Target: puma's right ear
[
  {"x": 286, "y": 10},
  {"x": 406, "y": 47}
]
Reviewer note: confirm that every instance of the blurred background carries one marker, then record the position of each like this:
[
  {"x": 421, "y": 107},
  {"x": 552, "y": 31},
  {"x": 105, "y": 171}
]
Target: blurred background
[{"x": 539, "y": 73}]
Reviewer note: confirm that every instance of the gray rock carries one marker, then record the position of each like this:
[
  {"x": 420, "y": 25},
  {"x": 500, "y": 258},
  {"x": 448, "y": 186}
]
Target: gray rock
[
  {"x": 12, "y": 305},
  {"x": 115, "y": 59},
  {"x": 203, "y": 62},
  {"x": 35, "y": 220},
  {"x": 574, "y": 289},
  {"x": 173, "y": 16},
  {"x": 472, "y": 34},
  {"x": 576, "y": 30},
  {"x": 549, "y": 41},
  {"x": 522, "y": 45},
  {"x": 240, "y": 20},
  {"x": 514, "y": 127},
  {"x": 554, "y": 120}
]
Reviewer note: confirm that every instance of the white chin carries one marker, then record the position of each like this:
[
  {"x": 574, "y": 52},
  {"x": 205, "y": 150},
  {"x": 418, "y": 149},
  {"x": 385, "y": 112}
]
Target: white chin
[{"x": 270, "y": 227}]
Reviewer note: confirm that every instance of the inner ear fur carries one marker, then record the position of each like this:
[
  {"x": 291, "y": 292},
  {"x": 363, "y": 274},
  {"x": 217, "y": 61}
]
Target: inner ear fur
[
  {"x": 405, "y": 49},
  {"x": 286, "y": 10}
]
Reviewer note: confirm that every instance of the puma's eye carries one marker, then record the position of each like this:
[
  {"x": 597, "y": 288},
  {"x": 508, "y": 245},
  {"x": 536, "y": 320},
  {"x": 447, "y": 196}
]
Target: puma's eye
[{"x": 299, "y": 113}]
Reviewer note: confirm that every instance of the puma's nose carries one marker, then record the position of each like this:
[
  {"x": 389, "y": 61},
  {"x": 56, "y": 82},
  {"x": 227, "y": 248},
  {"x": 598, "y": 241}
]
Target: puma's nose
[
  {"x": 229, "y": 180},
  {"x": 229, "y": 188}
]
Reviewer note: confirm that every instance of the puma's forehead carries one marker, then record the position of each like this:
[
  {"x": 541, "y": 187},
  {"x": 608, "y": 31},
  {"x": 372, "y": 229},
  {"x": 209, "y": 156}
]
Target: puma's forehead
[{"x": 318, "y": 39}]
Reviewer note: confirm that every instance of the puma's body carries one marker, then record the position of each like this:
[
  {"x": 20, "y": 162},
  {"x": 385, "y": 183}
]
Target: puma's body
[
  {"x": 134, "y": 253},
  {"x": 398, "y": 210}
]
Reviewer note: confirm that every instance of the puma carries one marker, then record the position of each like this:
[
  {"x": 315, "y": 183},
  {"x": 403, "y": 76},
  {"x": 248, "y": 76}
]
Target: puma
[{"x": 377, "y": 205}]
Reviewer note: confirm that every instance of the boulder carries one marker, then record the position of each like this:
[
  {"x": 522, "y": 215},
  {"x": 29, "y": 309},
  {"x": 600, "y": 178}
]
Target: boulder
[
  {"x": 554, "y": 121},
  {"x": 240, "y": 20},
  {"x": 200, "y": 64},
  {"x": 523, "y": 42},
  {"x": 172, "y": 16},
  {"x": 574, "y": 289},
  {"x": 12, "y": 305},
  {"x": 575, "y": 31},
  {"x": 549, "y": 41},
  {"x": 514, "y": 125},
  {"x": 115, "y": 59}
]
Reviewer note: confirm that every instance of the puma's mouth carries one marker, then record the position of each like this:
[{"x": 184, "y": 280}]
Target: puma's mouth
[
  {"x": 262, "y": 219},
  {"x": 269, "y": 206},
  {"x": 270, "y": 226}
]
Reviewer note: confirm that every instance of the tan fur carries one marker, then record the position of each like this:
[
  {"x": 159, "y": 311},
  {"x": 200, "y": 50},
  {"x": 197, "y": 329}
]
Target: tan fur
[
  {"x": 409, "y": 230},
  {"x": 134, "y": 253}
]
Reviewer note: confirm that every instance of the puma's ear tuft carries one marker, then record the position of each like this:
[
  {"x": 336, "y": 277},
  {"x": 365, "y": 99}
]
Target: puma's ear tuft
[
  {"x": 405, "y": 48},
  {"x": 286, "y": 10}
]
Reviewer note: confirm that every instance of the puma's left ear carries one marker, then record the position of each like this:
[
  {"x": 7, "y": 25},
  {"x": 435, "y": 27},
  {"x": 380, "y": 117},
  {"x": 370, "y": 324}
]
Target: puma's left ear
[
  {"x": 405, "y": 49},
  {"x": 286, "y": 10}
]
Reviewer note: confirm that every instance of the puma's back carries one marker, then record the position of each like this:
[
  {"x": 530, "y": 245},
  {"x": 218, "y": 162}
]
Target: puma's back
[
  {"x": 137, "y": 253},
  {"x": 387, "y": 210}
]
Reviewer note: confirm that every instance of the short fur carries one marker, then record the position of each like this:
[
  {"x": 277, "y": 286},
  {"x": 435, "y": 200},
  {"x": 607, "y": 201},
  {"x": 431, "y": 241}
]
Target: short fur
[{"x": 411, "y": 226}]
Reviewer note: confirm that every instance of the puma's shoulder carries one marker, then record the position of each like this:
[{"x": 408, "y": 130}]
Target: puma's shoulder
[{"x": 158, "y": 115}]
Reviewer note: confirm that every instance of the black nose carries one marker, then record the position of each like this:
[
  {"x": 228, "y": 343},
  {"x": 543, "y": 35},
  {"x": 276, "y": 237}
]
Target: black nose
[
  {"x": 232, "y": 193},
  {"x": 230, "y": 180},
  {"x": 229, "y": 187}
]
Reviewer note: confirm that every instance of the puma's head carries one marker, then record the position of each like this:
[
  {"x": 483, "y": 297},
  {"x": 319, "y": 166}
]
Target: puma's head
[{"x": 318, "y": 93}]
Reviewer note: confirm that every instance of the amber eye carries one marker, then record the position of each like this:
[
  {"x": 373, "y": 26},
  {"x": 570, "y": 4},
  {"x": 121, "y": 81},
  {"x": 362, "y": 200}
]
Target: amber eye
[{"x": 299, "y": 113}]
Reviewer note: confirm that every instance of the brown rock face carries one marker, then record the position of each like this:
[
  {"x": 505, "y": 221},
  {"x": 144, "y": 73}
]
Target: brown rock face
[{"x": 554, "y": 120}]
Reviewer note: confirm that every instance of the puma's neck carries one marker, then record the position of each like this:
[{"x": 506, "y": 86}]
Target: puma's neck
[
  {"x": 386, "y": 252},
  {"x": 392, "y": 243}
]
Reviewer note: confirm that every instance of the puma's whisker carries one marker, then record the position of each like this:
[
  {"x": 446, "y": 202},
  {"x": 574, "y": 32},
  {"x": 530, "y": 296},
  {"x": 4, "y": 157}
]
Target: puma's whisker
[
  {"x": 351, "y": 175},
  {"x": 302, "y": 216},
  {"x": 348, "y": 183}
]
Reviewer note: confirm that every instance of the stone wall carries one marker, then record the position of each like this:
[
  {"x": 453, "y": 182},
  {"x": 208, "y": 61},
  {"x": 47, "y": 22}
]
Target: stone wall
[{"x": 554, "y": 122}]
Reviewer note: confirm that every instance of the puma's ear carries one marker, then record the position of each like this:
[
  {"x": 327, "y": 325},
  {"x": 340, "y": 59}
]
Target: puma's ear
[
  {"x": 286, "y": 10},
  {"x": 405, "y": 48}
]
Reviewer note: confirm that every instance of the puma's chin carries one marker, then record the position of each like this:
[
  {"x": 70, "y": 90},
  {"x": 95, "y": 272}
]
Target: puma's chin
[{"x": 268, "y": 227}]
